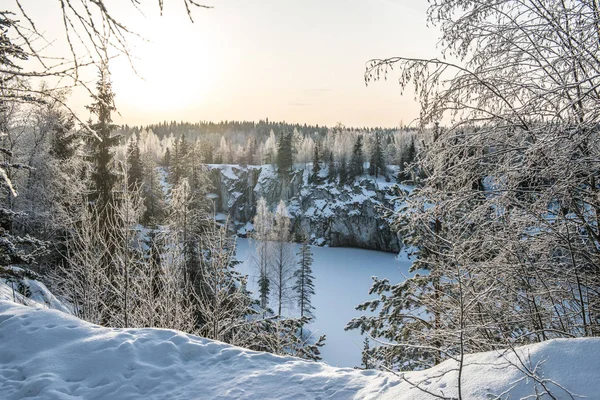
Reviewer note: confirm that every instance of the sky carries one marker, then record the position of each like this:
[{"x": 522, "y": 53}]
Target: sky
[{"x": 253, "y": 59}]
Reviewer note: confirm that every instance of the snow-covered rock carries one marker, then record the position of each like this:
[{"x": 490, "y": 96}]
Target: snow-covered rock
[
  {"x": 331, "y": 214},
  {"x": 46, "y": 354}
]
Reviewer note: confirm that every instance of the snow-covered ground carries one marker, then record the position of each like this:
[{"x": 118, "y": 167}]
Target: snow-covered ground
[
  {"x": 47, "y": 354},
  {"x": 38, "y": 294},
  {"x": 342, "y": 280}
]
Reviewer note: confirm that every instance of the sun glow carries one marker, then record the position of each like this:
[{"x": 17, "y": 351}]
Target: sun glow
[{"x": 164, "y": 82}]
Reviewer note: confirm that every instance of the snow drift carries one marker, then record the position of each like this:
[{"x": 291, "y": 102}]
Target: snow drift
[{"x": 51, "y": 355}]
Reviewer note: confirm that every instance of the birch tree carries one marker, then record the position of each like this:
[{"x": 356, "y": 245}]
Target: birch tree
[
  {"x": 283, "y": 261},
  {"x": 504, "y": 222}
]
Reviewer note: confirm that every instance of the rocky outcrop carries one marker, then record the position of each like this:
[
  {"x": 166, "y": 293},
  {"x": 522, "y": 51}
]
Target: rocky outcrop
[{"x": 329, "y": 213}]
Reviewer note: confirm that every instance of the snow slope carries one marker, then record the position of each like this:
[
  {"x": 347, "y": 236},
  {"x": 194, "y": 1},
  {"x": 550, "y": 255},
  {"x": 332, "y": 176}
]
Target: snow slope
[
  {"x": 39, "y": 295},
  {"x": 46, "y": 354}
]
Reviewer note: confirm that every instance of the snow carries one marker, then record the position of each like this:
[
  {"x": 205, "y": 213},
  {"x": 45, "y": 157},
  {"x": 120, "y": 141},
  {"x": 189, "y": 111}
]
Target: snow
[
  {"x": 227, "y": 172},
  {"x": 220, "y": 217},
  {"x": 342, "y": 281},
  {"x": 164, "y": 180},
  {"x": 39, "y": 295},
  {"x": 246, "y": 229},
  {"x": 46, "y": 354}
]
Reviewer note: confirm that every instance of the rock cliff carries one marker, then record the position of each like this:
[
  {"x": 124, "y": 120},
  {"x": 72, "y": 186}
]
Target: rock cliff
[{"x": 329, "y": 213}]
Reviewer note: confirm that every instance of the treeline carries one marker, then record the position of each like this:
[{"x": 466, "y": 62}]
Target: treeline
[
  {"x": 259, "y": 129},
  {"x": 342, "y": 153}
]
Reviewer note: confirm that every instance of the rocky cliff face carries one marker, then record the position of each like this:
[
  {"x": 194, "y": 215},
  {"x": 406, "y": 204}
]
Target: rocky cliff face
[{"x": 329, "y": 213}]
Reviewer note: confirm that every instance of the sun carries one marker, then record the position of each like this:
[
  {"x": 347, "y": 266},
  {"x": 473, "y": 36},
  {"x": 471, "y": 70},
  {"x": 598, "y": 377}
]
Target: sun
[{"x": 172, "y": 73}]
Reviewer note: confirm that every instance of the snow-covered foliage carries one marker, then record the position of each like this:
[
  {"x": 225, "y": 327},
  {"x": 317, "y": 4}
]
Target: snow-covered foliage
[{"x": 504, "y": 222}]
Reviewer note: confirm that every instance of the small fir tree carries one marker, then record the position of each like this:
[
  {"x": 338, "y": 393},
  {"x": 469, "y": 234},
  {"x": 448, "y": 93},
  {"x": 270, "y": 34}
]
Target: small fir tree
[
  {"x": 304, "y": 286},
  {"x": 357, "y": 160}
]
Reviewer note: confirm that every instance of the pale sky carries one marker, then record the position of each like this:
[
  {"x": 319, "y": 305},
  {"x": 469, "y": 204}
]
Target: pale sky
[{"x": 298, "y": 61}]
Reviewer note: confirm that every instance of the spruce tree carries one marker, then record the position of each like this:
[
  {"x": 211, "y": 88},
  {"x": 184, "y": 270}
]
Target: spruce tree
[
  {"x": 166, "y": 161},
  {"x": 304, "y": 286},
  {"x": 316, "y": 167},
  {"x": 343, "y": 171},
  {"x": 63, "y": 143},
  {"x": 180, "y": 160},
  {"x": 134, "y": 159},
  {"x": 331, "y": 170},
  {"x": 152, "y": 192},
  {"x": 103, "y": 176},
  {"x": 357, "y": 160},
  {"x": 285, "y": 158},
  {"x": 366, "y": 354},
  {"x": 407, "y": 157},
  {"x": 377, "y": 158},
  {"x": 263, "y": 224}
]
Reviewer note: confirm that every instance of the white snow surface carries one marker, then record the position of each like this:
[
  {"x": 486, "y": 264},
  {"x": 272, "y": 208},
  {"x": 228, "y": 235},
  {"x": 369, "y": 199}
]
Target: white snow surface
[
  {"x": 39, "y": 296},
  {"x": 342, "y": 281},
  {"x": 47, "y": 354}
]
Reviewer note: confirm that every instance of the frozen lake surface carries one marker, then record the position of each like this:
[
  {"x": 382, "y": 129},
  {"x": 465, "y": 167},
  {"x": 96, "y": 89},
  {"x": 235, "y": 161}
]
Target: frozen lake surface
[{"x": 342, "y": 280}]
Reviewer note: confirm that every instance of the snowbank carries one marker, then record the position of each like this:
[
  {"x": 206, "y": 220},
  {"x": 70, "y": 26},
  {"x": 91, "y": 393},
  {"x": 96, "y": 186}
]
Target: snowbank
[
  {"x": 51, "y": 355},
  {"x": 38, "y": 294}
]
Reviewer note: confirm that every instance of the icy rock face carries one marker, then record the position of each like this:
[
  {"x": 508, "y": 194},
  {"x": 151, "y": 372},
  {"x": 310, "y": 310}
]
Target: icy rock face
[{"x": 329, "y": 213}]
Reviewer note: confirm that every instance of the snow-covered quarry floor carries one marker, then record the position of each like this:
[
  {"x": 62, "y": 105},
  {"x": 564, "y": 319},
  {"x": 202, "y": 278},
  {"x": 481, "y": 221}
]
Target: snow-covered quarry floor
[
  {"x": 47, "y": 354},
  {"x": 342, "y": 281}
]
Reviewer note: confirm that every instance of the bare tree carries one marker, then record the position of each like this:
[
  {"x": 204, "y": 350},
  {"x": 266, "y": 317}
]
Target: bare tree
[
  {"x": 503, "y": 222},
  {"x": 223, "y": 303},
  {"x": 283, "y": 258}
]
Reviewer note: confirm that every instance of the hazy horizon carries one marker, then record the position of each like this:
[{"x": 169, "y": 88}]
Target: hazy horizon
[{"x": 249, "y": 61}]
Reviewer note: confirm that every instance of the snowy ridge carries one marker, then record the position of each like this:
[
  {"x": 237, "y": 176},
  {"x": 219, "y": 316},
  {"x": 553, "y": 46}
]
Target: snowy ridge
[{"x": 51, "y": 355}]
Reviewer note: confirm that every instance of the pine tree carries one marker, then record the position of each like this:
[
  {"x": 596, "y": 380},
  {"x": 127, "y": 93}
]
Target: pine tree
[
  {"x": 357, "y": 160},
  {"x": 304, "y": 286}
]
